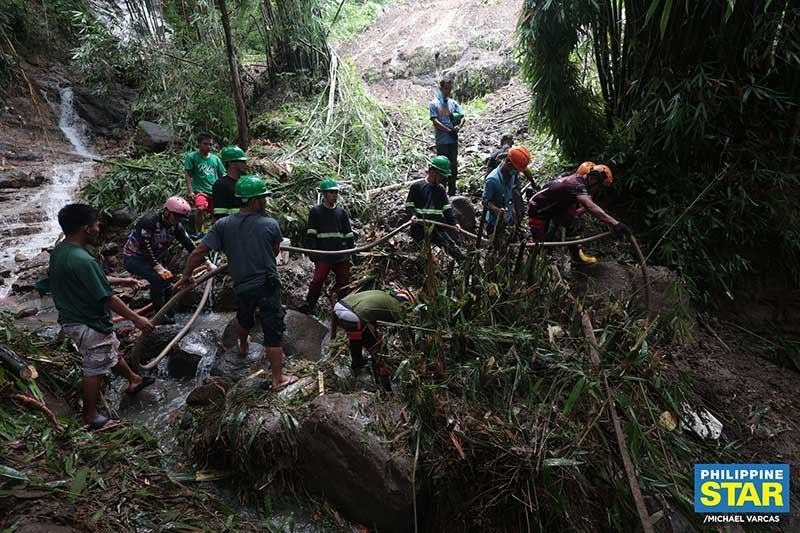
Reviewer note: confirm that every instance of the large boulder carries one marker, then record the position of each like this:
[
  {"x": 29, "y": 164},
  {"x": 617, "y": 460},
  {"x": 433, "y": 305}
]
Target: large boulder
[
  {"x": 153, "y": 137},
  {"x": 123, "y": 216},
  {"x": 343, "y": 458},
  {"x": 107, "y": 114},
  {"x": 185, "y": 357},
  {"x": 18, "y": 179},
  {"x": 304, "y": 336},
  {"x": 609, "y": 282},
  {"x": 464, "y": 212}
]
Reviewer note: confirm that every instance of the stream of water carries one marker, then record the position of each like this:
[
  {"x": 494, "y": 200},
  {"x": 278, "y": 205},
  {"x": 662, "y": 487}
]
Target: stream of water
[{"x": 29, "y": 220}]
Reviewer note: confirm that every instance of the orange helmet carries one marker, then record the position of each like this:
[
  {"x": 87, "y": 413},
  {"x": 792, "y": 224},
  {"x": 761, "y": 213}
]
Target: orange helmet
[
  {"x": 520, "y": 158},
  {"x": 607, "y": 177},
  {"x": 585, "y": 167}
]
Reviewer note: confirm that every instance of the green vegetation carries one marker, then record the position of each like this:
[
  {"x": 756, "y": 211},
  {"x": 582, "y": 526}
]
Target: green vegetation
[
  {"x": 353, "y": 18},
  {"x": 714, "y": 108}
]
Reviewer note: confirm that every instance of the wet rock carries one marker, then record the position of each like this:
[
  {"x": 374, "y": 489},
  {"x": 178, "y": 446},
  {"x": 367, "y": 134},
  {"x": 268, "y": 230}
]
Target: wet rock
[
  {"x": 304, "y": 336},
  {"x": 151, "y": 395},
  {"x": 344, "y": 459},
  {"x": 212, "y": 391},
  {"x": 43, "y": 527},
  {"x": 50, "y": 334},
  {"x": 153, "y": 137},
  {"x": 30, "y": 272},
  {"x": 18, "y": 179},
  {"x": 122, "y": 217},
  {"x": 20, "y": 258},
  {"x": 26, "y": 312},
  {"x": 107, "y": 113},
  {"x": 295, "y": 276},
  {"x": 464, "y": 212},
  {"x": 184, "y": 358},
  {"x": 233, "y": 366},
  {"x": 149, "y": 346}
]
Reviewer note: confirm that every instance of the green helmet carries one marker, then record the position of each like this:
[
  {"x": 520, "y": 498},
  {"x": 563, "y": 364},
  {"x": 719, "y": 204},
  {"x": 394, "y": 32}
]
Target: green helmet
[
  {"x": 250, "y": 187},
  {"x": 441, "y": 165},
  {"x": 328, "y": 184},
  {"x": 232, "y": 153},
  {"x": 456, "y": 118}
]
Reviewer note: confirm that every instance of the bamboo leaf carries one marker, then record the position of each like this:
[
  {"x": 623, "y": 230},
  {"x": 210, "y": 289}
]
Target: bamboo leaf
[
  {"x": 78, "y": 483},
  {"x": 560, "y": 461},
  {"x": 665, "y": 17},
  {"x": 651, "y": 10},
  {"x": 729, "y": 4},
  {"x": 573, "y": 396},
  {"x": 7, "y": 471}
]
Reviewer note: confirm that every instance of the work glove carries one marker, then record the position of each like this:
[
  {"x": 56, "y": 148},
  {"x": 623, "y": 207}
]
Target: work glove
[
  {"x": 454, "y": 130},
  {"x": 620, "y": 230},
  {"x": 162, "y": 272}
]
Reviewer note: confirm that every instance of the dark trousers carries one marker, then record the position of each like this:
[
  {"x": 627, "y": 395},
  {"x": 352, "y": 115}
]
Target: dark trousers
[
  {"x": 160, "y": 290},
  {"x": 451, "y": 152},
  {"x": 321, "y": 271}
]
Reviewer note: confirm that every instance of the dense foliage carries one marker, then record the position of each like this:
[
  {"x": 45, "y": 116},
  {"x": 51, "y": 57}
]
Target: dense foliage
[{"x": 678, "y": 96}]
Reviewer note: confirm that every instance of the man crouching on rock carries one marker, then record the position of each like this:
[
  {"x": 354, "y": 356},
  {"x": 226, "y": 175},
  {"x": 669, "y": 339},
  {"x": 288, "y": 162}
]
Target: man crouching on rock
[
  {"x": 251, "y": 240},
  {"x": 84, "y": 299}
]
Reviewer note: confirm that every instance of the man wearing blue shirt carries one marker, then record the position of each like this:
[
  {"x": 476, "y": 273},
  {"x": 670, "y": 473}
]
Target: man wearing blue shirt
[
  {"x": 498, "y": 190},
  {"x": 447, "y": 121}
]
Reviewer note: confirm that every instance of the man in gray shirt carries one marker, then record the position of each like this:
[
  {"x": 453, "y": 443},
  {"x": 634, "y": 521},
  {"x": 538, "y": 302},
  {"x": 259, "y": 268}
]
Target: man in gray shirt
[{"x": 251, "y": 240}]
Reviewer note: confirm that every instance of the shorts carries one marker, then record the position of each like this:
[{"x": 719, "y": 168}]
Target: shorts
[
  {"x": 203, "y": 201},
  {"x": 538, "y": 228},
  {"x": 267, "y": 299},
  {"x": 99, "y": 350}
]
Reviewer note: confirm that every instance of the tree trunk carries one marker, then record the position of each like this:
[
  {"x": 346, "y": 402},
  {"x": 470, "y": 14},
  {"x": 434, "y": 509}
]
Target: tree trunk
[
  {"x": 238, "y": 96},
  {"x": 16, "y": 364}
]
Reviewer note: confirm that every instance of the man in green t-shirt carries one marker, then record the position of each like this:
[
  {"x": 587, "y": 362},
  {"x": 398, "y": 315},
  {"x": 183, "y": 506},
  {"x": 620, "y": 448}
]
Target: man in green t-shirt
[
  {"x": 84, "y": 299},
  {"x": 202, "y": 169},
  {"x": 359, "y": 314}
]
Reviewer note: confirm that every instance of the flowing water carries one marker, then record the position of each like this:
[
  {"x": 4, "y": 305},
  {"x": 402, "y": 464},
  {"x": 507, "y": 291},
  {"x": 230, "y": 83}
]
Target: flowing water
[{"x": 29, "y": 219}]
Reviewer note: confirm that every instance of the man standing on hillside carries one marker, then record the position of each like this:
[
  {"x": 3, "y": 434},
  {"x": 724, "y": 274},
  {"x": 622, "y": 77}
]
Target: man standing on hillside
[
  {"x": 447, "y": 119},
  {"x": 84, "y": 300},
  {"x": 427, "y": 200},
  {"x": 328, "y": 230},
  {"x": 225, "y": 200},
  {"x": 202, "y": 169},
  {"x": 251, "y": 240}
]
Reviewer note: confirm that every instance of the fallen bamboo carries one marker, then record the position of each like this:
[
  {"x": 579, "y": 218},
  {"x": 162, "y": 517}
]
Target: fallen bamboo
[
  {"x": 630, "y": 472},
  {"x": 17, "y": 365},
  {"x": 372, "y": 192},
  {"x": 185, "y": 328}
]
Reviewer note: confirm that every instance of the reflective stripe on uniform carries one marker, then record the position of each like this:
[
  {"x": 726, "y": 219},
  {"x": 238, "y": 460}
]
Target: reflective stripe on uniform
[
  {"x": 225, "y": 211},
  {"x": 333, "y": 235},
  {"x": 311, "y": 231},
  {"x": 424, "y": 211}
]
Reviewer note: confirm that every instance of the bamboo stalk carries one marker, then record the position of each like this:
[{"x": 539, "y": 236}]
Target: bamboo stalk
[{"x": 17, "y": 365}]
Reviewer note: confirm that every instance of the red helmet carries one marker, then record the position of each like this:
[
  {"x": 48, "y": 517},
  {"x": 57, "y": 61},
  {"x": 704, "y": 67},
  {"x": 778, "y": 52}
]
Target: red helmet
[
  {"x": 177, "y": 205},
  {"x": 520, "y": 158}
]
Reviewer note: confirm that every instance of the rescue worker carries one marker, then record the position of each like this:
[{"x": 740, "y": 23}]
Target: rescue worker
[
  {"x": 499, "y": 186},
  {"x": 225, "y": 200},
  {"x": 561, "y": 202},
  {"x": 328, "y": 230},
  {"x": 201, "y": 169},
  {"x": 148, "y": 243},
  {"x": 358, "y": 313},
  {"x": 251, "y": 241},
  {"x": 427, "y": 200},
  {"x": 84, "y": 300},
  {"x": 499, "y": 154},
  {"x": 445, "y": 113}
]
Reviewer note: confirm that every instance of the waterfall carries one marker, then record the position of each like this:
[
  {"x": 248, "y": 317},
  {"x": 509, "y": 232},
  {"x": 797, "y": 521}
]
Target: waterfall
[{"x": 29, "y": 220}]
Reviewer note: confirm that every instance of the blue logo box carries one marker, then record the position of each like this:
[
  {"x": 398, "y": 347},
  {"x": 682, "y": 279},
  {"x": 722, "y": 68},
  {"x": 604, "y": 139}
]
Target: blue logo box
[{"x": 741, "y": 488}]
